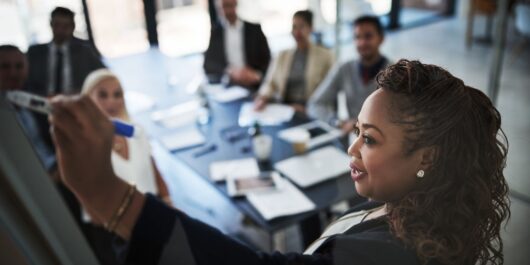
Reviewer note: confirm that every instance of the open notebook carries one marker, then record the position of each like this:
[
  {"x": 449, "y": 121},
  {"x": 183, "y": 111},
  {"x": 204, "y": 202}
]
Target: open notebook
[{"x": 317, "y": 166}]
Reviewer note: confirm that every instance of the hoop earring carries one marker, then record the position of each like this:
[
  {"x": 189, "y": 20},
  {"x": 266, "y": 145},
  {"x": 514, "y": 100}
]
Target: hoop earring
[{"x": 420, "y": 173}]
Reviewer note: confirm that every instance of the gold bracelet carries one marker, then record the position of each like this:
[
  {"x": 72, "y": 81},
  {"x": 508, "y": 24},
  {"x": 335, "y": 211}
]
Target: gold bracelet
[{"x": 116, "y": 217}]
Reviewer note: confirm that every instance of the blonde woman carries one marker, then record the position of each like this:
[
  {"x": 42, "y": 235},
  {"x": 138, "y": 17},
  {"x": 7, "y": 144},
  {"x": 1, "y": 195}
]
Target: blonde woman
[{"x": 131, "y": 157}]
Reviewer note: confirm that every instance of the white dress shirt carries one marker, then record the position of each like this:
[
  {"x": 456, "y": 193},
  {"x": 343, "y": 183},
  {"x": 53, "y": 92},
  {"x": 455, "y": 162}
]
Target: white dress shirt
[
  {"x": 234, "y": 48},
  {"x": 138, "y": 168},
  {"x": 67, "y": 68}
]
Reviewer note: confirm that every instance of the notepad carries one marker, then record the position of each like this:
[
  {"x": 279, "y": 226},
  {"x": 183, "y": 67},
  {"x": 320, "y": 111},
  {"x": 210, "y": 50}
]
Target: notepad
[
  {"x": 312, "y": 168},
  {"x": 183, "y": 138},
  {"x": 246, "y": 167},
  {"x": 138, "y": 102},
  {"x": 273, "y": 114},
  {"x": 285, "y": 200},
  {"x": 180, "y": 115}
]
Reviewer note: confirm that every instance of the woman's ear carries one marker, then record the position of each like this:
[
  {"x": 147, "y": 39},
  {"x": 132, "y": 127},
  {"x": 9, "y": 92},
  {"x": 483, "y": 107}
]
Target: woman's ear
[{"x": 428, "y": 157}]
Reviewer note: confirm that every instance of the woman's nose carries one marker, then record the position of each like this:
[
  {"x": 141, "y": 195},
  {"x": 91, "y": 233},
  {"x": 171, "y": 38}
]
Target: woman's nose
[{"x": 353, "y": 150}]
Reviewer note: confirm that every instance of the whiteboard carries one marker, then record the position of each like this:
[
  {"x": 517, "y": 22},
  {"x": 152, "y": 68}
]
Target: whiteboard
[{"x": 31, "y": 209}]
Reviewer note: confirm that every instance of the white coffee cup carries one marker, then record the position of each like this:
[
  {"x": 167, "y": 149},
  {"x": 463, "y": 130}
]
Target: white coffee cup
[
  {"x": 299, "y": 139},
  {"x": 262, "y": 145}
]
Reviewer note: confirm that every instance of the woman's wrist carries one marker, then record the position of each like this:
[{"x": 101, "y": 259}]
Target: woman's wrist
[
  {"x": 102, "y": 199},
  {"x": 109, "y": 199},
  {"x": 126, "y": 225}
]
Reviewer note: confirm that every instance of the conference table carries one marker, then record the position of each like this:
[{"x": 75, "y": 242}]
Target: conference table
[{"x": 233, "y": 142}]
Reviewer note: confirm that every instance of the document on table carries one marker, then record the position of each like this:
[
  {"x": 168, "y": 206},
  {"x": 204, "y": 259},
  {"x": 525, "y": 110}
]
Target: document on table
[
  {"x": 286, "y": 200},
  {"x": 138, "y": 102},
  {"x": 229, "y": 94},
  {"x": 319, "y": 165},
  {"x": 273, "y": 114},
  {"x": 319, "y": 131},
  {"x": 179, "y": 115},
  {"x": 246, "y": 167},
  {"x": 184, "y": 138}
]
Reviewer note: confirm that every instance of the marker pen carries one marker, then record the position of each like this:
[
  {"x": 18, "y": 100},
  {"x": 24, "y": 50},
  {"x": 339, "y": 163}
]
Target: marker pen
[{"x": 42, "y": 105}]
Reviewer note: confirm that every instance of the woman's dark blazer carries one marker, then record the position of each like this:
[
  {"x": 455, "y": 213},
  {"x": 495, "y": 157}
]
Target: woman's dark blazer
[{"x": 163, "y": 235}]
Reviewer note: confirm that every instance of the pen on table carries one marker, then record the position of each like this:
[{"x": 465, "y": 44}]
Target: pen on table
[
  {"x": 208, "y": 149},
  {"x": 42, "y": 105}
]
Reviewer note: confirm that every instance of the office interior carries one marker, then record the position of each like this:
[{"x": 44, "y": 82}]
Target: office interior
[{"x": 156, "y": 49}]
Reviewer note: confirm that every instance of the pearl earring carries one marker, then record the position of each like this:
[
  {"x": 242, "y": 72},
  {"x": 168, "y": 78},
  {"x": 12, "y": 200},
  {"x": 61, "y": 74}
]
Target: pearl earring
[{"x": 420, "y": 173}]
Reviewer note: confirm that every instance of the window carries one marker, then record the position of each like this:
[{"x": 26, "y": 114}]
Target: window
[
  {"x": 275, "y": 17},
  {"x": 28, "y": 22},
  {"x": 118, "y": 26},
  {"x": 183, "y": 26}
]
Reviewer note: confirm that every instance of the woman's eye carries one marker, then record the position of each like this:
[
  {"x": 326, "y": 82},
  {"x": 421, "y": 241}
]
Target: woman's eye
[{"x": 368, "y": 140}]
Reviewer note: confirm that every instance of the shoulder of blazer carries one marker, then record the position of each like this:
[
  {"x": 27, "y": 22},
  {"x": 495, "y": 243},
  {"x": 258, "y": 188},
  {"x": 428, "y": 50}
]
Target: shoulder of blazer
[
  {"x": 322, "y": 54},
  {"x": 319, "y": 49},
  {"x": 250, "y": 24},
  {"x": 38, "y": 49},
  {"x": 374, "y": 247},
  {"x": 251, "y": 28},
  {"x": 370, "y": 242},
  {"x": 286, "y": 52},
  {"x": 217, "y": 27}
]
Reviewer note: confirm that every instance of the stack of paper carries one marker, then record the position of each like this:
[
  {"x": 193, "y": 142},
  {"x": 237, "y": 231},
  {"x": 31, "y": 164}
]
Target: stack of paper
[
  {"x": 325, "y": 133},
  {"x": 138, "y": 102},
  {"x": 184, "y": 138},
  {"x": 273, "y": 114},
  {"x": 287, "y": 200},
  {"x": 319, "y": 165},
  {"x": 247, "y": 167},
  {"x": 179, "y": 115}
]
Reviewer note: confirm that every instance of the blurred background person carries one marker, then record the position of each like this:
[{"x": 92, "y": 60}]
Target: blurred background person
[
  {"x": 13, "y": 76},
  {"x": 356, "y": 78},
  {"x": 238, "y": 50},
  {"x": 61, "y": 66},
  {"x": 295, "y": 73},
  {"x": 131, "y": 157}
]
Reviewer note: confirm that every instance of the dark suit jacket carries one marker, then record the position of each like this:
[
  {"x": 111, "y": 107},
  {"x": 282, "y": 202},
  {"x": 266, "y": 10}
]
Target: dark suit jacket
[
  {"x": 257, "y": 52},
  {"x": 167, "y": 236},
  {"x": 83, "y": 58}
]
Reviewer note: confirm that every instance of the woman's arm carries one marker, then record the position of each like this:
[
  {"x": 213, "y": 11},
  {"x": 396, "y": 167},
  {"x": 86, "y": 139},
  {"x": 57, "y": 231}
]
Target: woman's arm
[
  {"x": 165, "y": 234},
  {"x": 83, "y": 138}
]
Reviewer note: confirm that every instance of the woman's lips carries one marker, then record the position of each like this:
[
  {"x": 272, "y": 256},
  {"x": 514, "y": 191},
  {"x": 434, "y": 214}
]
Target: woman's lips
[{"x": 356, "y": 173}]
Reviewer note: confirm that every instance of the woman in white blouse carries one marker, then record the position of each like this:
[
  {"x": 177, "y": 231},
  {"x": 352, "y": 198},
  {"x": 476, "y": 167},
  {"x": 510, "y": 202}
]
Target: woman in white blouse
[{"x": 131, "y": 157}]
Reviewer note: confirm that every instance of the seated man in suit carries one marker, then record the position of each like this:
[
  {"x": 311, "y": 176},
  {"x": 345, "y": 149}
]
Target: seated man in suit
[
  {"x": 13, "y": 75},
  {"x": 238, "y": 50},
  {"x": 356, "y": 78},
  {"x": 60, "y": 67}
]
